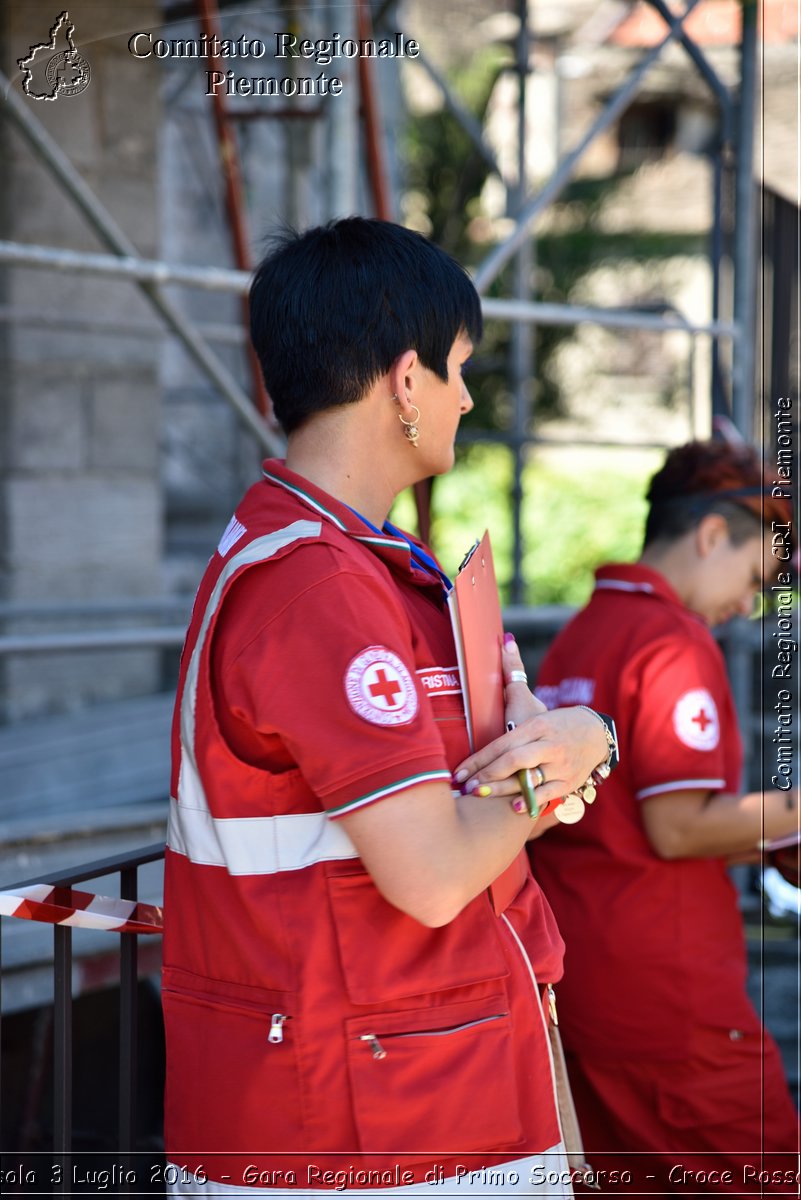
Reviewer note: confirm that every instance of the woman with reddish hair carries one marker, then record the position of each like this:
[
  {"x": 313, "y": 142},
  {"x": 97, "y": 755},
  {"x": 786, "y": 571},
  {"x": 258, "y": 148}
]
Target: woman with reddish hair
[{"x": 675, "y": 1080}]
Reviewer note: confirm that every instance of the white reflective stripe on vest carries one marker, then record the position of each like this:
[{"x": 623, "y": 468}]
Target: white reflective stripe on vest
[
  {"x": 544, "y": 1174},
  {"x": 256, "y": 845},
  {"x": 259, "y": 550},
  {"x": 245, "y": 845}
]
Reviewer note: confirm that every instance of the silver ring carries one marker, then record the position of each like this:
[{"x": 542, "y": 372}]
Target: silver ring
[
  {"x": 539, "y": 775},
  {"x": 518, "y": 677}
]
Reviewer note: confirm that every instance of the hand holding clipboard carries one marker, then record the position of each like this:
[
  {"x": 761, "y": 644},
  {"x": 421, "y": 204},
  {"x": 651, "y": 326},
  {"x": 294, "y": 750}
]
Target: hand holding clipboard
[{"x": 478, "y": 632}]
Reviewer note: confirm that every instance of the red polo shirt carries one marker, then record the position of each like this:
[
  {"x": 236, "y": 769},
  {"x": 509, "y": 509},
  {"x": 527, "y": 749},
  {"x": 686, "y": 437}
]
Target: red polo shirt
[{"x": 654, "y": 948}]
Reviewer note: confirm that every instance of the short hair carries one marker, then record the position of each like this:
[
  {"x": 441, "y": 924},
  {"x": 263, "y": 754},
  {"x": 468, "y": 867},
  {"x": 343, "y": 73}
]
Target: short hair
[
  {"x": 712, "y": 477},
  {"x": 331, "y": 309}
]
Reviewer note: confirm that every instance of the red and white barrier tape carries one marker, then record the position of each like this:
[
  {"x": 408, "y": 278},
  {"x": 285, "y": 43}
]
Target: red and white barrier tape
[{"x": 64, "y": 906}]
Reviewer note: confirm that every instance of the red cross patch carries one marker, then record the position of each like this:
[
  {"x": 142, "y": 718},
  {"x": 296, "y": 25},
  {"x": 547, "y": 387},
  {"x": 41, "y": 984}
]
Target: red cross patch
[
  {"x": 695, "y": 720},
  {"x": 380, "y": 688}
]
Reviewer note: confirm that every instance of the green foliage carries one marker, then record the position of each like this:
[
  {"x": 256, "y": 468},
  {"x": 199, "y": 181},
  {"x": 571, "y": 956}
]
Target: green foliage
[
  {"x": 472, "y": 498},
  {"x": 580, "y": 509}
]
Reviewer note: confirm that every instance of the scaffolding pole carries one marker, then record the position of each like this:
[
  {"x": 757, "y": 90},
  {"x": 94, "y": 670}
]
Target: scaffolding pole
[
  {"x": 234, "y": 190},
  {"x": 230, "y": 335},
  {"x": 110, "y": 233},
  {"x": 465, "y": 118},
  {"x": 696, "y": 54},
  {"x": 342, "y": 147},
  {"x": 497, "y": 258},
  {"x": 522, "y": 347},
  {"x": 139, "y": 270},
  {"x": 536, "y": 312},
  {"x": 110, "y": 639},
  {"x": 540, "y": 312},
  {"x": 745, "y": 283}
]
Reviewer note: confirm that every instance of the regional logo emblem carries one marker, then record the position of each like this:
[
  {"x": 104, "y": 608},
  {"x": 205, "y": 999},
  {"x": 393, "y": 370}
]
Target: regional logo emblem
[{"x": 46, "y": 76}]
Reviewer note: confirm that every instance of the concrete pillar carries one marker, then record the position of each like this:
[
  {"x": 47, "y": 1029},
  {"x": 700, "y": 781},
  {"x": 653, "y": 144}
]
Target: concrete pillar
[{"x": 80, "y": 495}]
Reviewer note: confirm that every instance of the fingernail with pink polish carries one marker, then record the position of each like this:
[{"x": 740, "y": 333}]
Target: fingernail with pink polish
[
  {"x": 509, "y": 640},
  {"x": 519, "y": 805},
  {"x": 460, "y": 776}
]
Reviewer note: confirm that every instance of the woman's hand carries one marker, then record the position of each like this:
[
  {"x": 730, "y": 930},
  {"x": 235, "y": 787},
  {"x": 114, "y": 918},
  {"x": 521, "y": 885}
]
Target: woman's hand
[
  {"x": 521, "y": 703},
  {"x": 561, "y": 748}
]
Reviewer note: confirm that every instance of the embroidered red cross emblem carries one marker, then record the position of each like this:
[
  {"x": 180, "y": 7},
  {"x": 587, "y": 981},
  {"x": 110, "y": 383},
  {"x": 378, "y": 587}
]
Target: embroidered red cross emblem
[
  {"x": 701, "y": 720},
  {"x": 384, "y": 688}
]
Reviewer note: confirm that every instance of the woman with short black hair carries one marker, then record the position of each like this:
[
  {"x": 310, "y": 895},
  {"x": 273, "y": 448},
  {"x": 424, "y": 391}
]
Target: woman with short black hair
[{"x": 344, "y": 1006}]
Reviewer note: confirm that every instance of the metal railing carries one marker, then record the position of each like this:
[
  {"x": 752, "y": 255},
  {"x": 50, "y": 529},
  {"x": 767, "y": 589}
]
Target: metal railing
[{"x": 126, "y": 866}]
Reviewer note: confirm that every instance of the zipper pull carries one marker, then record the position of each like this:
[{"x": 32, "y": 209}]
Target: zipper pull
[
  {"x": 276, "y": 1033},
  {"x": 552, "y": 1004},
  {"x": 374, "y": 1044}
]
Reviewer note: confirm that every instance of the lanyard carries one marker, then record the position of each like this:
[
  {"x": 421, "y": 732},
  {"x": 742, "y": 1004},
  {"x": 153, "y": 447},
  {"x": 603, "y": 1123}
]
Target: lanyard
[{"x": 420, "y": 556}]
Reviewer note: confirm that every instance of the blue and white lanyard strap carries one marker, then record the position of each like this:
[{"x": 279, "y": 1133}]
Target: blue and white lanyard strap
[{"x": 420, "y": 556}]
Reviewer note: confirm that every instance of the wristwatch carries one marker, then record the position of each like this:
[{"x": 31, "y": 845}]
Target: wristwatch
[
  {"x": 572, "y": 807},
  {"x": 610, "y": 732}
]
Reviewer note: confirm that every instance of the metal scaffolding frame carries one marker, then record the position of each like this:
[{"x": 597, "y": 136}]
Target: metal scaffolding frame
[
  {"x": 733, "y": 154},
  {"x": 732, "y": 163},
  {"x": 104, "y": 225},
  {"x": 220, "y": 279}
]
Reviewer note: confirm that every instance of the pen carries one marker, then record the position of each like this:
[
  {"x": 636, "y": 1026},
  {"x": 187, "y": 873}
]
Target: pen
[{"x": 526, "y": 786}]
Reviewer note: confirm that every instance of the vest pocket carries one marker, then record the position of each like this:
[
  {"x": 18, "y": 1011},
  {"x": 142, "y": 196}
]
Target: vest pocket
[
  {"x": 435, "y": 1081},
  {"x": 718, "y": 1086},
  {"x": 220, "y": 1057},
  {"x": 387, "y": 955}
]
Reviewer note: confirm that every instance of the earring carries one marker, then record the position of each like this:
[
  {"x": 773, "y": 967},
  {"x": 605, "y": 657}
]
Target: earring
[{"x": 410, "y": 428}]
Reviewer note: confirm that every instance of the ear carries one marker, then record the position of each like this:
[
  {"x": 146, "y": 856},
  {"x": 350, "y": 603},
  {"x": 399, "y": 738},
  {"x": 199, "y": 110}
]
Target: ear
[
  {"x": 402, "y": 379},
  {"x": 711, "y": 532}
]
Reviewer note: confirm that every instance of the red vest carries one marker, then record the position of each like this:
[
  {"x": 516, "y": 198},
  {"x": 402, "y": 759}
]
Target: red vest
[{"x": 311, "y": 1026}]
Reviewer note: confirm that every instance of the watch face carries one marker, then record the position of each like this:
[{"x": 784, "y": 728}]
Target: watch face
[{"x": 570, "y": 810}]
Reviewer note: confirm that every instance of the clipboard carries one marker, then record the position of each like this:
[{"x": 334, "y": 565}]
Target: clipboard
[{"x": 475, "y": 611}]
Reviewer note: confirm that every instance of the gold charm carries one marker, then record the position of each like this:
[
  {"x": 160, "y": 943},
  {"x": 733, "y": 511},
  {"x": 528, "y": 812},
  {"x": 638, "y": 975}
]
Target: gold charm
[{"x": 570, "y": 810}]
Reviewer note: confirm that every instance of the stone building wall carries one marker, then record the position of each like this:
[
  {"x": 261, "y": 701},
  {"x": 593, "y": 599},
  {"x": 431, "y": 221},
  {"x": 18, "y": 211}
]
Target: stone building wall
[
  {"x": 80, "y": 498},
  {"x": 120, "y": 461}
]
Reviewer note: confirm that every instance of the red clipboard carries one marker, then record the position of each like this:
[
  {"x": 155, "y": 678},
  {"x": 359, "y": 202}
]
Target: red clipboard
[{"x": 475, "y": 610}]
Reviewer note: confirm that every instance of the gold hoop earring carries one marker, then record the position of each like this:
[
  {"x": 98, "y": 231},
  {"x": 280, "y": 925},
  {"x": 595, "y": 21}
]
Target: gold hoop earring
[{"x": 410, "y": 428}]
